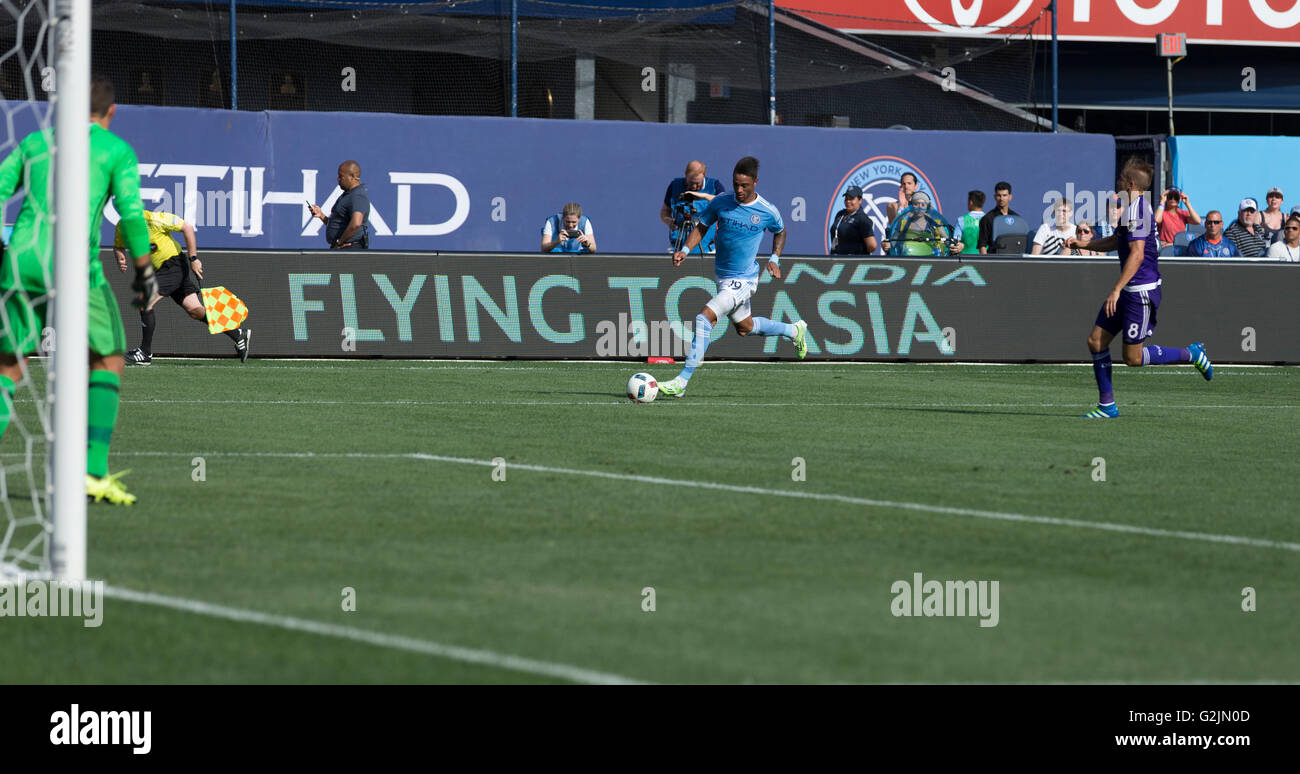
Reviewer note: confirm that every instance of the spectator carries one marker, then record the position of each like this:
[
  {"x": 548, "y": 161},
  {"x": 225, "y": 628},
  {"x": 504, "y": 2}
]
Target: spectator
[
  {"x": 1084, "y": 232},
  {"x": 1213, "y": 244},
  {"x": 1051, "y": 237},
  {"x": 921, "y": 230},
  {"x": 1107, "y": 225},
  {"x": 693, "y": 191},
  {"x": 1272, "y": 215},
  {"x": 1174, "y": 215},
  {"x": 345, "y": 227},
  {"x": 1245, "y": 231},
  {"x": 852, "y": 232},
  {"x": 569, "y": 231},
  {"x": 1001, "y": 198},
  {"x": 968, "y": 225},
  {"x": 907, "y": 185},
  {"x": 1289, "y": 248}
]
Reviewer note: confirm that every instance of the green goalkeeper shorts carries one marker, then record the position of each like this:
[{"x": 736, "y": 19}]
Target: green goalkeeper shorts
[{"x": 23, "y": 323}]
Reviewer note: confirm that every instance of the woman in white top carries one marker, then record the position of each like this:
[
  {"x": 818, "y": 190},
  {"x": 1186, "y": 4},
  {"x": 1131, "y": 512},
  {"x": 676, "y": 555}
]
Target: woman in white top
[
  {"x": 1289, "y": 248},
  {"x": 1051, "y": 237}
]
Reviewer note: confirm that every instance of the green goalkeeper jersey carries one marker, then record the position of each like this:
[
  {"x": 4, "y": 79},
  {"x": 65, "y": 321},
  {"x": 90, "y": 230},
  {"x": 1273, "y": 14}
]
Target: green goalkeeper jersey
[{"x": 114, "y": 171}]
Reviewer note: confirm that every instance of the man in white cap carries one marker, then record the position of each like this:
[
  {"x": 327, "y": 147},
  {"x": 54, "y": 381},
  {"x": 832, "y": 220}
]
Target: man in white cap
[{"x": 1245, "y": 232}]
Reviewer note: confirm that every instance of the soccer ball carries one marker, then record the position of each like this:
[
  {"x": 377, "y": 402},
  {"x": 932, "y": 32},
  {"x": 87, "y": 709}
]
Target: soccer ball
[{"x": 642, "y": 388}]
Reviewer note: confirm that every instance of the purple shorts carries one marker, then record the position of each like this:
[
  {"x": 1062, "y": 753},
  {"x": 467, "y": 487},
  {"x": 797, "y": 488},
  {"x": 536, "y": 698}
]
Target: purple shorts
[{"x": 1135, "y": 315}]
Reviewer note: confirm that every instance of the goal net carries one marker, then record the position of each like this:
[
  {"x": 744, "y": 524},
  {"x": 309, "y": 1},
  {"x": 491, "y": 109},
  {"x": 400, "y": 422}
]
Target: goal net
[{"x": 45, "y": 46}]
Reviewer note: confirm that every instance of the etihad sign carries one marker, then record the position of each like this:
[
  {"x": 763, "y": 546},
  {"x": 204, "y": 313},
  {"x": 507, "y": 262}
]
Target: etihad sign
[{"x": 1243, "y": 22}]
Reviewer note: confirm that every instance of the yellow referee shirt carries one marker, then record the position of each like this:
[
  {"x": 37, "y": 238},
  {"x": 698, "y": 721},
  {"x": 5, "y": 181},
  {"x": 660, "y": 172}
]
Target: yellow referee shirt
[{"x": 161, "y": 244}]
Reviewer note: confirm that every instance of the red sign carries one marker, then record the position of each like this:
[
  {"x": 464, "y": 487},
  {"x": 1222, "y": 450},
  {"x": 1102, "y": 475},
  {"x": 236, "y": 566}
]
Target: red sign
[
  {"x": 1172, "y": 45},
  {"x": 1243, "y": 22}
]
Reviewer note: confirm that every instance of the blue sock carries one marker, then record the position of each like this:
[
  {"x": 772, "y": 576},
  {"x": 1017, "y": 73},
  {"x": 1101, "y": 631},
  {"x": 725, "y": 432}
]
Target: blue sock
[
  {"x": 765, "y": 327},
  {"x": 1101, "y": 370},
  {"x": 1153, "y": 355},
  {"x": 700, "y": 343}
]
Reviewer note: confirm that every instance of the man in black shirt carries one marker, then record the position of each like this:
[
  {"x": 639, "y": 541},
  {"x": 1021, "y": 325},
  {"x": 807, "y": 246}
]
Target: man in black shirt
[
  {"x": 1002, "y": 198},
  {"x": 345, "y": 227},
  {"x": 852, "y": 232}
]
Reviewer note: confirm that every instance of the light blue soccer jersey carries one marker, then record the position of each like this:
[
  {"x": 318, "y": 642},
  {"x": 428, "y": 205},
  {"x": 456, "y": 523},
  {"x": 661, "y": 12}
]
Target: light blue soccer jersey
[{"x": 740, "y": 233}]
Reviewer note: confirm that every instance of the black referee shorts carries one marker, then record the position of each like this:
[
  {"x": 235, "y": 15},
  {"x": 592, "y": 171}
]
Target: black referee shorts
[{"x": 175, "y": 279}]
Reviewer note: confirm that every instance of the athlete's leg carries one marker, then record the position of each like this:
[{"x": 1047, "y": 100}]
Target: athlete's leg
[
  {"x": 704, "y": 322},
  {"x": 101, "y": 409},
  {"x": 11, "y": 372},
  {"x": 762, "y": 326},
  {"x": 1099, "y": 344}
]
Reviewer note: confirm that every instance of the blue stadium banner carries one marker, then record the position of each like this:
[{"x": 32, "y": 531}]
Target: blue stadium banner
[{"x": 488, "y": 184}]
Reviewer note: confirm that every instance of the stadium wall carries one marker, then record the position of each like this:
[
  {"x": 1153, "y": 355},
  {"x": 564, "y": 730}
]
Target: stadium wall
[
  {"x": 331, "y": 304},
  {"x": 1218, "y": 172},
  {"x": 488, "y": 184}
]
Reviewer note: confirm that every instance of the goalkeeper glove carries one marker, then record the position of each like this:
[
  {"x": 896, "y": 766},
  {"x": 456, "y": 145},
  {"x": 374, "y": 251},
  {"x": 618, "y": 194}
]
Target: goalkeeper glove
[{"x": 145, "y": 287}]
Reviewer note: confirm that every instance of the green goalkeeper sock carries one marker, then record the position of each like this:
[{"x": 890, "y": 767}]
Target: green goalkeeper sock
[
  {"x": 6, "y": 403},
  {"x": 101, "y": 410}
]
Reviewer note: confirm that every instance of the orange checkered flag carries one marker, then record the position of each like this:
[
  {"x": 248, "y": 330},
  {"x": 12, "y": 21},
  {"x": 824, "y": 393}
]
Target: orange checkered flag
[{"x": 224, "y": 309}]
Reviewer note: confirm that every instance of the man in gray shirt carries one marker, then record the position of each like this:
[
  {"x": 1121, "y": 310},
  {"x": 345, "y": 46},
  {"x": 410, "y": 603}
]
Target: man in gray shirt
[{"x": 345, "y": 227}]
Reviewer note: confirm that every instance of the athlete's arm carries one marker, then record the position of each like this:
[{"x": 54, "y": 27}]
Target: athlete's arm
[
  {"x": 692, "y": 241},
  {"x": 778, "y": 246},
  {"x": 192, "y": 248},
  {"x": 11, "y": 172},
  {"x": 1103, "y": 245},
  {"x": 125, "y": 187}
]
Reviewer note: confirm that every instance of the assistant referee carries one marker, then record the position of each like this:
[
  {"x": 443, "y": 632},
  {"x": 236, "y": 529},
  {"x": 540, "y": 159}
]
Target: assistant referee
[{"x": 177, "y": 277}]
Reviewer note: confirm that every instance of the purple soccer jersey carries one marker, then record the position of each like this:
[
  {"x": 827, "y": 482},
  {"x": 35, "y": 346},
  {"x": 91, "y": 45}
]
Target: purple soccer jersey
[{"x": 1139, "y": 222}]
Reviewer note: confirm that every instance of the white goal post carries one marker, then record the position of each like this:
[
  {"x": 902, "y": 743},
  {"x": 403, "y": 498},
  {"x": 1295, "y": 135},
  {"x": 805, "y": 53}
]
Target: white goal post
[{"x": 66, "y": 485}]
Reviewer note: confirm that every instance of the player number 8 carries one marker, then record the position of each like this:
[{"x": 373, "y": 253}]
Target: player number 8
[{"x": 1133, "y": 331}]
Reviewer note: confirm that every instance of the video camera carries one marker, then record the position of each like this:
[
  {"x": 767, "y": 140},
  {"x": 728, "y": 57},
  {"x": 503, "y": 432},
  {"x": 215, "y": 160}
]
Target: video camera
[{"x": 685, "y": 219}]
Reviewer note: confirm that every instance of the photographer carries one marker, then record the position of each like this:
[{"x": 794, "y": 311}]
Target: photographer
[
  {"x": 568, "y": 232},
  {"x": 684, "y": 200}
]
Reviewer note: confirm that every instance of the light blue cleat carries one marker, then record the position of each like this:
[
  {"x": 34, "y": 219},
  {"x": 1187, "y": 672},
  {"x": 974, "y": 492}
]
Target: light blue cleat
[
  {"x": 1201, "y": 360},
  {"x": 1109, "y": 411}
]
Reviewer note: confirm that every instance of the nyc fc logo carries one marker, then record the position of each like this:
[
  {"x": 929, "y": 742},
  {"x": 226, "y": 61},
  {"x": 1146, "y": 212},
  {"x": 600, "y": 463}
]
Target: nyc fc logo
[{"x": 878, "y": 177}]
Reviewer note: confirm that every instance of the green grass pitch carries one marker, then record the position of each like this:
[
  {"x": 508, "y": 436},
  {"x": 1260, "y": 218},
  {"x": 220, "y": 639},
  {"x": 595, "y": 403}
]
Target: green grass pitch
[{"x": 377, "y": 476}]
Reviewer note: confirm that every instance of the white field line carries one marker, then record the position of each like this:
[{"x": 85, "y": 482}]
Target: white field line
[
  {"x": 794, "y": 494},
  {"x": 677, "y": 404},
  {"x": 408, "y": 644}
]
